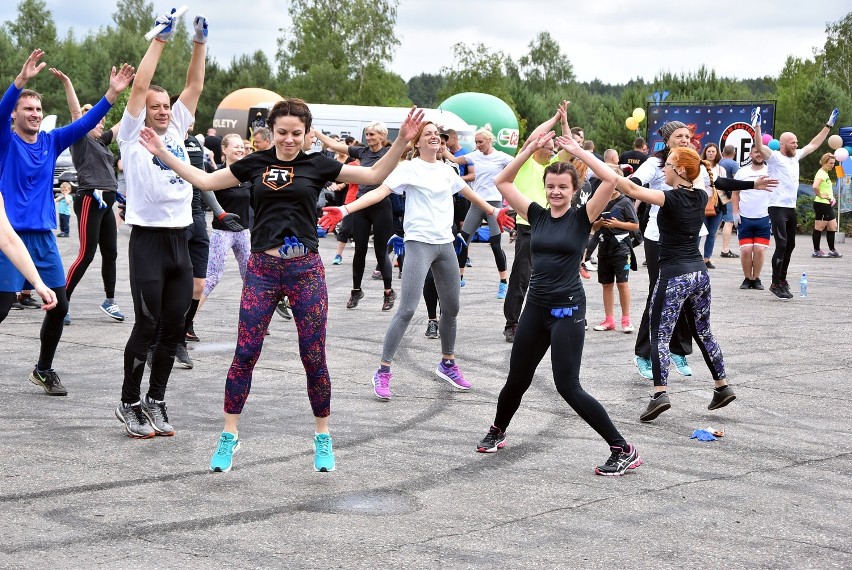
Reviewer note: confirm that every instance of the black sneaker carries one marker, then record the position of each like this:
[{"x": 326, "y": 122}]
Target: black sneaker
[
  {"x": 182, "y": 357},
  {"x": 49, "y": 380},
  {"x": 709, "y": 264},
  {"x": 135, "y": 422},
  {"x": 158, "y": 416},
  {"x": 432, "y": 330},
  {"x": 493, "y": 440},
  {"x": 190, "y": 334},
  {"x": 746, "y": 284},
  {"x": 28, "y": 302},
  {"x": 389, "y": 300},
  {"x": 656, "y": 407},
  {"x": 283, "y": 309},
  {"x": 786, "y": 287},
  {"x": 620, "y": 460},
  {"x": 722, "y": 398},
  {"x": 509, "y": 333},
  {"x": 729, "y": 254},
  {"x": 777, "y": 290},
  {"x": 756, "y": 284},
  {"x": 356, "y": 296},
  {"x": 16, "y": 306}
]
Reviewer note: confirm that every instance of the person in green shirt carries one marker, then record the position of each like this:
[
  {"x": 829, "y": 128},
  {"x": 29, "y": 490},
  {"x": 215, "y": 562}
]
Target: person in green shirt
[{"x": 824, "y": 217}]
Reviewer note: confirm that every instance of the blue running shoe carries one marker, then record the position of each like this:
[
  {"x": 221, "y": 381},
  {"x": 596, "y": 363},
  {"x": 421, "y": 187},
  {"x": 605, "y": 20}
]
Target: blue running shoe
[
  {"x": 223, "y": 457},
  {"x": 323, "y": 454},
  {"x": 338, "y": 259},
  {"x": 682, "y": 365},
  {"x": 112, "y": 311},
  {"x": 462, "y": 283},
  {"x": 502, "y": 289}
]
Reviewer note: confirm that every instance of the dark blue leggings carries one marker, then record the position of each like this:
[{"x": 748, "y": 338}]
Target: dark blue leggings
[{"x": 268, "y": 280}]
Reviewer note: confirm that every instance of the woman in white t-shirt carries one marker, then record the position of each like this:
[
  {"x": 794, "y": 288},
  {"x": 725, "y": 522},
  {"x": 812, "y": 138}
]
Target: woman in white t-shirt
[
  {"x": 712, "y": 155},
  {"x": 429, "y": 185},
  {"x": 489, "y": 162}
]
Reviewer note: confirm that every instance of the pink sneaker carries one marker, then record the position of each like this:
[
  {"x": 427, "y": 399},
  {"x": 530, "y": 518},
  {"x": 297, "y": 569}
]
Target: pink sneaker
[
  {"x": 626, "y": 325},
  {"x": 452, "y": 375},
  {"x": 606, "y": 325},
  {"x": 381, "y": 385}
]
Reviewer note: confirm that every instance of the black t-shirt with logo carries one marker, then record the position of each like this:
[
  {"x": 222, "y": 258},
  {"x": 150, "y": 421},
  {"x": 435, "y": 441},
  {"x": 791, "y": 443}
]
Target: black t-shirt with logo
[
  {"x": 556, "y": 245},
  {"x": 680, "y": 219},
  {"x": 634, "y": 158},
  {"x": 284, "y": 195}
]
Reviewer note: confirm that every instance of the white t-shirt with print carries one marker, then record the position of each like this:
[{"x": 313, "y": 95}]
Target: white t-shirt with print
[
  {"x": 156, "y": 196},
  {"x": 487, "y": 166},
  {"x": 786, "y": 170},
  {"x": 429, "y": 188},
  {"x": 753, "y": 203}
]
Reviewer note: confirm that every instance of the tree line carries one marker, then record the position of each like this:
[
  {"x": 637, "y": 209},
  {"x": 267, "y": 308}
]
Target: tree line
[{"x": 338, "y": 52}]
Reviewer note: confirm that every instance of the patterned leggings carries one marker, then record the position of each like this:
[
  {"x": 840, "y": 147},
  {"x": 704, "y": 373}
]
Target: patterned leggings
[
  {"x": 220, "y": 242},
  {"x": 690, "y": 292},
  {"x": 268, "y": 279}
]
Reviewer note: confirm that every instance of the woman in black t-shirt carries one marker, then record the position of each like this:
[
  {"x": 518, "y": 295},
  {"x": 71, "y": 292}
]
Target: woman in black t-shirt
[
  {"x": 285, "y": 260},
  {"x": 683, "y": 282},
  {"x": 554, "y": 314}
]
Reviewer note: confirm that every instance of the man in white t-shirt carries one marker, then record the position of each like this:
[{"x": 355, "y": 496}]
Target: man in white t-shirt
[
  {"x": 751, "y": 214},
  {"x": 783, "y": 164},
  {"x": 159, "y": 209}
]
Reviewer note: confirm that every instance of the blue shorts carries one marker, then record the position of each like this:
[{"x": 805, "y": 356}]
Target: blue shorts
[
  {"x": 42, "y": 248},
  {"x": 728, "y": 213},
  {"x": 754, "y": 231}
]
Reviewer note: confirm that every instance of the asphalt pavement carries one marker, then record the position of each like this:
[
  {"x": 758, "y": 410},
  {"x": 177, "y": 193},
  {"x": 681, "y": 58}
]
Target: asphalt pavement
[{"x": 409, "y": 490}]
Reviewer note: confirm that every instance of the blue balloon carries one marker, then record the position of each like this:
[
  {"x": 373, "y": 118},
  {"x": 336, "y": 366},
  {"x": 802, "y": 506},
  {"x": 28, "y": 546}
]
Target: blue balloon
[
  {"x": 774, "y": 144},
  {"x": 848, "y": 149}
]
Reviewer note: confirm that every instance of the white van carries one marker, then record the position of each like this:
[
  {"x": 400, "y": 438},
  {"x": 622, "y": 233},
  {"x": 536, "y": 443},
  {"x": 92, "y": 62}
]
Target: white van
[{"x": 351, "y": 120}]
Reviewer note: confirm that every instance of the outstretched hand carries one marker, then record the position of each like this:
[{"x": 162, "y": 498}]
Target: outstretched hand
[
  {"x": 60, "y": 76},
  {"x": 167, "y": 20},
  {"x": 200, "y": 25},
  {"x": 765, "y": 183},
  {"x": 152, "y": 141},
  {"x": 833, "y": 117},
  {"x": 121, "y": 79},
  {"x": 330, "y": 218},
  {"x": 32, "y": 66},
  {"x": 568, "y": 144},
  {"x": 563, "y": 117},
  {"x": 504, "y": 220},
  {"x": 398, "y": 244},
  {"x": 411, "y": 126},
  {"x": 230, "y": 221},
  {"x": 755, "y": 117}
]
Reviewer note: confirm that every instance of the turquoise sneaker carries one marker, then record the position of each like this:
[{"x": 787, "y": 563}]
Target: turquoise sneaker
[
  {"x": 644, "y": 366},
  {"x": 323, "y": 455},
  {"x": 682, "y": 365},
  {"x": 222, "y": 460},
  {"x": 502, "y": 289}
]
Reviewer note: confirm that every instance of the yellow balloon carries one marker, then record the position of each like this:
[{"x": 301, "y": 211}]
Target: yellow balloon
[
  {"x": 631, "y": 123},
  {"x": 835, "y": 142},
  {"x": 639, "y": 114}
]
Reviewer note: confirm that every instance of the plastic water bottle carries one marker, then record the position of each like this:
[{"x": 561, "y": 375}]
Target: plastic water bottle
[{"x": 803, "y": 286}]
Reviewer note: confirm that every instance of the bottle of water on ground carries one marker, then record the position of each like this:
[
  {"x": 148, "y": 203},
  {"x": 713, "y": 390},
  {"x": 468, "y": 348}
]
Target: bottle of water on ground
[{"x": 803, "y": 286}]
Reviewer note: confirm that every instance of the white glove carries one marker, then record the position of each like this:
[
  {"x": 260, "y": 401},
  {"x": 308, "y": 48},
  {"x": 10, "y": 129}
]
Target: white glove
[
  {"x": 755, "y": 117},
  {"x": 200, "y": 25},
  {"x": 832, "y": 118},
  {"x": 169, "y": 30}
]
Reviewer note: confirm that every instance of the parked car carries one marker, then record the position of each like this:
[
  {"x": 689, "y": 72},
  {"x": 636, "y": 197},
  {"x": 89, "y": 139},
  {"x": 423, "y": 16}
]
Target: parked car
[{"x": 64, "y": 171}]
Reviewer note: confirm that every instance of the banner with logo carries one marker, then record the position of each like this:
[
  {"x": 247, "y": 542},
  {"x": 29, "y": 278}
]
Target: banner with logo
[{"x": 722, "y": 123}]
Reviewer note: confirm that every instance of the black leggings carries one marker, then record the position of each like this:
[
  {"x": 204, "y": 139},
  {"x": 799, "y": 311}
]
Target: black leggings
[
  {"x": 161, "y": 286},
  {"x": 784, "y": 230},
  {"x": 496, "y": 249},
  {"x": 379, "y": 218},
  {"x": 51, "y": 327},
  {"x": 97, "y": 229},
  {"x": 681, "y": 341},
  {"x": 430, "y": 296},
  {"x": 537, "y": 331}
]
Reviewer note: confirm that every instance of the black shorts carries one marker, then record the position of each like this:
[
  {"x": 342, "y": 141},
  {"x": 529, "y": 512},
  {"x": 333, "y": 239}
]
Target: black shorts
[
  {"x": 614, "y": 267},
  {"x": 823, "y": 212},
  {"x": 199, "y": 244}
]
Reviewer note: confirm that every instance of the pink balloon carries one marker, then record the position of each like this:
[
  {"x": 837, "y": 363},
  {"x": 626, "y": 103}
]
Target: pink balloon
[
  {"x": 841, "y": 154},
  {"x": 766, "y": 138}
]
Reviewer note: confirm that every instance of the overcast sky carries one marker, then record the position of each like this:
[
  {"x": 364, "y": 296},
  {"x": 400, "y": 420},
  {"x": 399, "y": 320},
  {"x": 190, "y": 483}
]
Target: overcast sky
[{"x": 613, "y": 40}]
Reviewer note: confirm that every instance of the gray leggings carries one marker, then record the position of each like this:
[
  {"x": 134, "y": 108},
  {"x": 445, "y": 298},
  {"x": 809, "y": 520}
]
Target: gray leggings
[{"x": 419, "y": 257}]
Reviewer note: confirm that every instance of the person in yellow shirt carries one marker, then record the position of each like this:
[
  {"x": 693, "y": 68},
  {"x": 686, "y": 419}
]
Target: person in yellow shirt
[{"x": 824, "y": 217}]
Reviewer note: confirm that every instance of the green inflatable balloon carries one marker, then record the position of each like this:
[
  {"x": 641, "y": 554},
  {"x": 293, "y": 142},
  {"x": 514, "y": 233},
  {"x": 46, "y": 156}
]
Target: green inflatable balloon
[{"x": 480, "y": 109}]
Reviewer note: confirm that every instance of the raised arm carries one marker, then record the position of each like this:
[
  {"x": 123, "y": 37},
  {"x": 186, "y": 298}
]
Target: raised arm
[
  {"x": 758, "y": 137},
  {"x": 337, "y": 146},
  {"x": 70, "y": 94},
  {"x": 144, "y": 74},
  {"x": 505, "y": 181},
  {"x": 32, "y": 67},
  {"x": 598, "y": 201},
  {"x": 202, "y": 180},
  {"x": 195, "y": 74},
  {"x": 377, "y": 173},
  {"x": 548, "y": 125}
]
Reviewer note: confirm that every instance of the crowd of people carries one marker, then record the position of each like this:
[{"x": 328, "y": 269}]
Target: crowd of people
[{"x": 421, "y": 197}]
